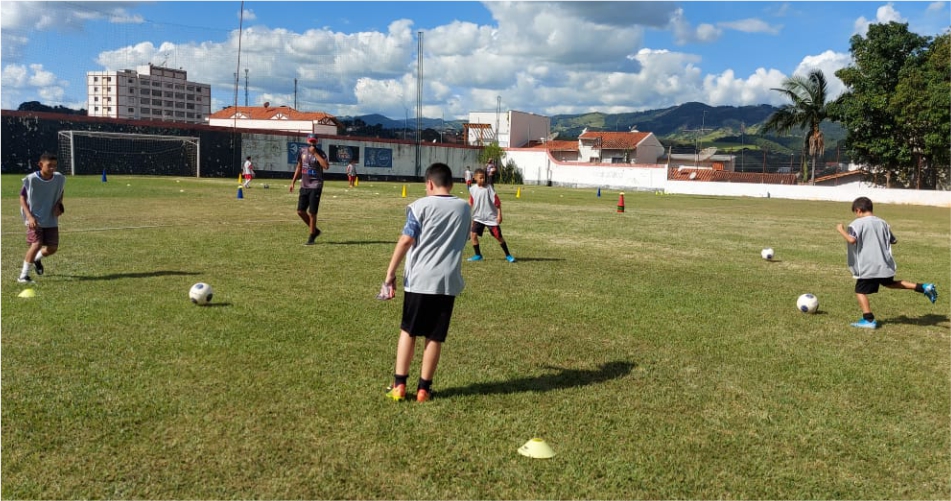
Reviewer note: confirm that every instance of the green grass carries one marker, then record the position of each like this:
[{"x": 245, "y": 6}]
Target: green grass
[{"x": 653, "y": 350}]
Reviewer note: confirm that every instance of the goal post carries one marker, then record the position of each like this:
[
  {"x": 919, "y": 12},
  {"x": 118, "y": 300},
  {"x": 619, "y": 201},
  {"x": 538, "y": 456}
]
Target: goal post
[{"x": 91, "y": 152}]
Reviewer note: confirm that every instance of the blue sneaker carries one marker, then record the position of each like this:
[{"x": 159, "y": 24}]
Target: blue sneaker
[
  {"x": 930, "y": 291},
  {"x": 477, "y": 257},
  {"x": 510, "y": 258},
  {"x": 865, "y": 324}
]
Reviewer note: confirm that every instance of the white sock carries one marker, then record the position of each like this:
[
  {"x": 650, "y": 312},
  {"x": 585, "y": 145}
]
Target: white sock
[
  {"x": 39, "y": 255},
  {"x": 26, "y": 269}
]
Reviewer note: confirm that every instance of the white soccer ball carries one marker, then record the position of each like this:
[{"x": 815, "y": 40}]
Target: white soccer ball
[
  {"x": 767, "y": 253},
  {"x": 807, "y": 303},
  {"x": 201, "y": 293}
]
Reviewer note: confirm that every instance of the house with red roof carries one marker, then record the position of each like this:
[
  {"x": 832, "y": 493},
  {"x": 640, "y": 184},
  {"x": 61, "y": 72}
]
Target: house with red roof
[{"x": 282, "y": 118}]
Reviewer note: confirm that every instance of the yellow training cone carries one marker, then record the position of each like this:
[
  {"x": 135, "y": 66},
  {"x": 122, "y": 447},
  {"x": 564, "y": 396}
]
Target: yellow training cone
[
  {"x": 536, "y": 448},
  {"x": 28, "y": 293},
  {"x": 404, "y": 191},
  {"x": 356, "y": 181},
  {"x": 518, "y": 192}
]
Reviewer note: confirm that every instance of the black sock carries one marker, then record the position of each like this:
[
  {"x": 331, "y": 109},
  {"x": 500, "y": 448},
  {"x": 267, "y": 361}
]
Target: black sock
[
  {"x": 478, "y": 252},
  {"x": 868, "y": 316},
  {"x": 506, "y": 249},
  {"x": 920, "y": 288},
  {"x": 425, "y": 384},
  {"x": 400, "y": 380}
]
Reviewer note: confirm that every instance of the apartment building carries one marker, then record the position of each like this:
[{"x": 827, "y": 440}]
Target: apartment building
[{"x": 148, "y": 93}]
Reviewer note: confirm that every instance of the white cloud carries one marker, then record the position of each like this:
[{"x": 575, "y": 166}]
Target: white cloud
[
  {"x": 249, "y": 15},
  {"x": 935, "y": 7},
  {"x": 829, "y": 62},
  {"x": 684, "y": 33},
  {"x": 885, "y": 14},
  {"x": 19, "y": 80},
  {"x": 752, "y": 26}
]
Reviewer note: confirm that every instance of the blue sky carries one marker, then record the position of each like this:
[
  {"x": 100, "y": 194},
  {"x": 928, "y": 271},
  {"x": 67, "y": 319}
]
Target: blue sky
[{"x": 354, "y": 58}]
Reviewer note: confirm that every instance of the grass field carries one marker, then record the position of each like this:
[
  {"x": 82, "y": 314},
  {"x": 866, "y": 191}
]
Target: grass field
[{"x": 654, "y": 350}]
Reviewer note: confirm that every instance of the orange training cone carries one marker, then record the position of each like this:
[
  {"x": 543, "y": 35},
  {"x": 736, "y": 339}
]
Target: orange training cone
[{"x": 620, "y": 203}]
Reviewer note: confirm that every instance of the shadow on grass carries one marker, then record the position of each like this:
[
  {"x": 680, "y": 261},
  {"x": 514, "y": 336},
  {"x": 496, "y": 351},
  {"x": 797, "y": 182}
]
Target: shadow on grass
[
  {"x": 529, "y": 259},
  {"x": 362, "y": 242},
  {"x": 924, "y": 320},
  {"x": 145, "y": 274},
  {"x": 564, "y": 378}
]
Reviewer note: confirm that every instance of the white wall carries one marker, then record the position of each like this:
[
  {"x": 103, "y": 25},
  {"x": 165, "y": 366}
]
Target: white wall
[{"x": 538, "y": 167}]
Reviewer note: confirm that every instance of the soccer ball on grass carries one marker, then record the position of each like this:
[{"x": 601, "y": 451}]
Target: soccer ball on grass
[
  {"x": 201, "y": 293},
  {"x": 767, "y": 253},
  {"x": 807, "y": 303}
]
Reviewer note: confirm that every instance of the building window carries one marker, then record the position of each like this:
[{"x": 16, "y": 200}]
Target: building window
[
  {"x": 96, "y": 108},
  {"x": 156, "y": 84},
  {"x": 190, "y": 115},
  {"x": 131, "y": 110},
  {"x": 198, "y": 98},
  {"x": 190, "y": 97},
  {"x": 190, "y": 88},
  {"x": 190, "y": 106},
  {"x": 156, "y": 102},
  {"x": 145, "y": 111},
  {"x": 198, "y": 117},
  {"x": 169, "y": 104},
  {"x": 95, "y": 79},
  {"x": 109, "y": 108},
  {"x": 131, "y": 90},
  {"x": 180, "y": 114},
  {"x": 96, "y": 99},
  {"x": 95, "y": 89}
]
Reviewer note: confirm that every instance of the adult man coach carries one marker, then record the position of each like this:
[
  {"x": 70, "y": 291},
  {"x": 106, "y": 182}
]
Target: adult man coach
[{"x": 311, "y": 164}]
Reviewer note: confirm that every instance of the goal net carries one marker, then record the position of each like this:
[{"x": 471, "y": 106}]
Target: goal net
[{"x": 88, "y": 152}]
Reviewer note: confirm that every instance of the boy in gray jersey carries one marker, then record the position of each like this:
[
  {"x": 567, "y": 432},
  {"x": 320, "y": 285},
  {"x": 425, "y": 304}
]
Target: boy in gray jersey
[
  {"x": 432, "y": 242},
  {"x": 870, "y": 260},
  {"x": 41, "y": 204}
]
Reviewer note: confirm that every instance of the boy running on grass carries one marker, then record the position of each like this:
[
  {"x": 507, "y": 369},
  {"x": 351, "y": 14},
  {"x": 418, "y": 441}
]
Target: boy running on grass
[
  {"x": 870, "y": 259},
  {"x": 41, "y": 204},
  {"x": 486, "y": 212},
  {"x": 432, "y": 242}
]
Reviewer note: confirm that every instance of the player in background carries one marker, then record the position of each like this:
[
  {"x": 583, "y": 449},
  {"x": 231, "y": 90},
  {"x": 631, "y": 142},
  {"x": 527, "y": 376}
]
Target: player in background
[
  {"x": 247, "y": 171},
  {"x": 41, "y": 204},
  {"x": 870, "y": 260},
  {"x": 486, "y": 212},
  {"x": 311, "y": 164},
  {"x": 432, "y": 242}
]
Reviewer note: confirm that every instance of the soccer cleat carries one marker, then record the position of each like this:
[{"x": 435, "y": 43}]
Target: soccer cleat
[
  {"x": 510, "y": 258},
  {"x": 930, "y": 292},
  {"x": 423, "y": 395},
  {"x": 39, "y": 268},
  {"x": 866, "y": 324},
  {"x": 396, "y": 393},
  {"x": 477, "y": 257},
  {"x": 25, "y": 279}
]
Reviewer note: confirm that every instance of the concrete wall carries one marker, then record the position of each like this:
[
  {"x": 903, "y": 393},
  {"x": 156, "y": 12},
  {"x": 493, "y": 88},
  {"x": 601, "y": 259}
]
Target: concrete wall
[
  {"x": 277, "y": 154},
  {"x": 538, "y": 167}
]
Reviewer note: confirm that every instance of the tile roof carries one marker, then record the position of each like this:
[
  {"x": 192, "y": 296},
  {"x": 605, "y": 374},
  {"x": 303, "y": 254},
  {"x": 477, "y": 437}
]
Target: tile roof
[
  {"x": 559, "y": 145},
  {"x": 840, "y": 175},
  {"x": 271, "y": 113},
  {"x": 721, "y": 176},
  {"x": 615, "y": 140}
]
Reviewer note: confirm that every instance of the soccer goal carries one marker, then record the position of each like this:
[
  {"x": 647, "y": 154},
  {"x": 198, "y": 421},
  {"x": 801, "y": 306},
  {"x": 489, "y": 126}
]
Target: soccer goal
[{"x": 89, "y": 152}]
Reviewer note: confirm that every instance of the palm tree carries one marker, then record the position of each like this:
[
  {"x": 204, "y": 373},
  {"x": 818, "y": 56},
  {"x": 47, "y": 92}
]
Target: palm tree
[{"x": 808, "y": 108}]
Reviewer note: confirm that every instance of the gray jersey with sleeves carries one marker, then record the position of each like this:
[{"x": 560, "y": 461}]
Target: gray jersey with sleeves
[
  {"x": 434, "y": 262},
  {"x": 871, "y": 255},
  {"x": 41, "y": 196}
]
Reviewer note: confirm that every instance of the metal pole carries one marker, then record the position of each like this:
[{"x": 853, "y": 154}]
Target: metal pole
[{"x": 419, "y": 99}]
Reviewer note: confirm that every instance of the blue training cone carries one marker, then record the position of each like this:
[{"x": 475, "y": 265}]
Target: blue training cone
[
  {"x": 240, "y": 193},
  {"x": 599, "y": 192},
  {"x": 104, "y": 175}
]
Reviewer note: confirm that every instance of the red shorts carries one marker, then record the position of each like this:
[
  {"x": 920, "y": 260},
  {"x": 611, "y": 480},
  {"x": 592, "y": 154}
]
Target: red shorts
[
  {"x": 248, "y": 176},
  {"x": 44, "y": 236},
  {"x": 351, "y": 178}
]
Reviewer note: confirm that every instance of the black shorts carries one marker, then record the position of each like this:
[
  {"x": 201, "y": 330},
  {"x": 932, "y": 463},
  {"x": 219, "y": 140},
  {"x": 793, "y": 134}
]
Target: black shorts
[
  {"x": 309, "y": 199},
  {"x": 427, "y": 315},
  {"x": 479, "y": 228},
  {"x": 870, "y": 285}
]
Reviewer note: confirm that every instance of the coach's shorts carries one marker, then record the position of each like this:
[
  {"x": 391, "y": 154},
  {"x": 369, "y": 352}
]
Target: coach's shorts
[
  {"x": 870, "y": 285},
  {"x": 427, "y": 315},
  {"x": 45, "y": 236},
  {"x": 309, "y": 199},
  {"x": 478, "y": 228}
]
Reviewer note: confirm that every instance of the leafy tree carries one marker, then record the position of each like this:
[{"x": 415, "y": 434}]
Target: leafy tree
[
  {"x": 806, "y": 110},
  {"x": 922, "y": 107},
  {"x": 874, "y": 131},
  {"x": 492, "y": 151}
]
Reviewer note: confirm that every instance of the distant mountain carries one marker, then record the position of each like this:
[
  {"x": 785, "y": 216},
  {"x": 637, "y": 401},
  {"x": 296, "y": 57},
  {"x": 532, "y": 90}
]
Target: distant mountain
[{"x": 684, "y": 124}]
